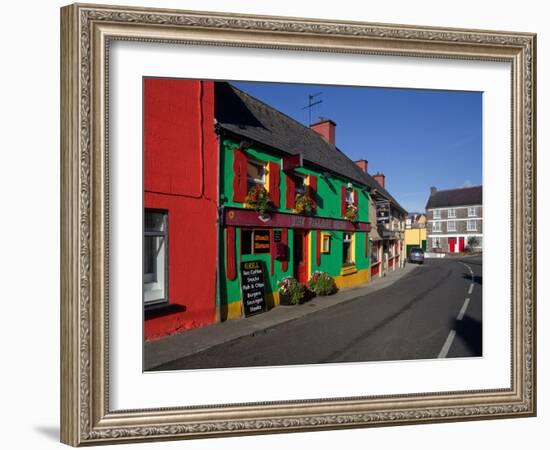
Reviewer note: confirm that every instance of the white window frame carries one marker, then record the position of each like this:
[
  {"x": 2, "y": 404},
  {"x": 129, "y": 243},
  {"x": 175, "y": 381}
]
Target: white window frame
[
  {"x": 472, "y": 211},
  {"x": 453, "y": 227},
  {"x": 451, "y": 213},
  {"x": 350, "y": 196},
  {"x": 436, "y": 242},
  {"x": 155, "y": 284},
  {"x": 469, "y": 225},
  {"x": 437, "y": 213},
  {"x": 436, "y": 227}
]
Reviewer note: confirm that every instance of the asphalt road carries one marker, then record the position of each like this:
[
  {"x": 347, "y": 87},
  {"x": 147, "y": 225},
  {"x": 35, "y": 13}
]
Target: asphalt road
[{"x": 423, "y": 315}]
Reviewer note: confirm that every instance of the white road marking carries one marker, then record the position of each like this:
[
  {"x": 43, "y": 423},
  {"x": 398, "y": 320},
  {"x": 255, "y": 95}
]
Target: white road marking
[
  {"x": 451, "y": 337},
  {"x": 447, "y": 345},
  {"x": 463, "y": 310}
]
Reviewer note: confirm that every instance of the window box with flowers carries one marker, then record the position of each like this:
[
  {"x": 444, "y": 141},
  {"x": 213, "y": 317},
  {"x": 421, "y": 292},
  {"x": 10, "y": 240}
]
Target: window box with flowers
[
  {"x": 352, "y": 214},
  {"x": 259, "y": 200},
  {"x": 321, "y": 283},
  {"x": 303, "y": 204}
]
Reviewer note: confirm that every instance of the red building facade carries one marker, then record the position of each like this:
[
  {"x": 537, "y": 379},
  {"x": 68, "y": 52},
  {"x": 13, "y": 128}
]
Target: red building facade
[{"x": 180, "y": 201}]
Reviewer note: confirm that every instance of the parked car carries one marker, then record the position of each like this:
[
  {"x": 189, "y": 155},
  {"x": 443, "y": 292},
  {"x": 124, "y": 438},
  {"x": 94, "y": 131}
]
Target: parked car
[{"x": 416, "y": 255}]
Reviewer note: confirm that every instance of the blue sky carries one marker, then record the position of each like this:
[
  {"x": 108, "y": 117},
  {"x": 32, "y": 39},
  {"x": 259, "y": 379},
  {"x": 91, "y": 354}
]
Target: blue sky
[{"x": 417, "y": 138}]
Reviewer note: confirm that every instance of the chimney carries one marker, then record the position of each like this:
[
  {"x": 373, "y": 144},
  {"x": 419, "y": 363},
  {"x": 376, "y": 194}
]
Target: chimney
[
  {"x": 363, "y": 164},
  {"x": 326, "y": 128},
  {"x": 380, "y": 178},
  {"x": 433, "y": 190}
]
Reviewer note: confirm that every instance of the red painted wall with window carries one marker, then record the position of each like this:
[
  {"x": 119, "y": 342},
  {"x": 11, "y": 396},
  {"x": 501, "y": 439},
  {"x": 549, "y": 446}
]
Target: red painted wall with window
[{"x": 181, "y": 177}]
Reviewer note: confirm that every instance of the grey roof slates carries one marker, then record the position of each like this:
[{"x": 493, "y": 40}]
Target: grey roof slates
[
  {"x": 244, "y": 115},
  {"x": 456, "y": 197}
]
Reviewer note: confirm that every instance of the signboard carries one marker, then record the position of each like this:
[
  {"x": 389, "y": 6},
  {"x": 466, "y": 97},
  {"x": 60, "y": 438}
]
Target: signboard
[
  {"x": 249, "y": 218},
  {"x": 253, "y": 288},
  {"x": 260, "y": 243}
]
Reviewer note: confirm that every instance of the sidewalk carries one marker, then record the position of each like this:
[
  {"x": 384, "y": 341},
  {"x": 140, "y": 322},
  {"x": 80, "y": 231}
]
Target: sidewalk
[{"x": 198, "y": 339}]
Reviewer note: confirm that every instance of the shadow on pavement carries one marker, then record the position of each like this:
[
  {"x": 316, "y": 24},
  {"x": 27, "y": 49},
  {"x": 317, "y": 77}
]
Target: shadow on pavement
[
  {"x": 476, "y": 278},
  {"x": 470, "y": 332}
]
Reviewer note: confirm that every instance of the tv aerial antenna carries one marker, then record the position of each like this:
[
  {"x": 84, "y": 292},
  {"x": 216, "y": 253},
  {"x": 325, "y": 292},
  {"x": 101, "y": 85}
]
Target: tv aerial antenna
[{"x": 311, "y": 103}]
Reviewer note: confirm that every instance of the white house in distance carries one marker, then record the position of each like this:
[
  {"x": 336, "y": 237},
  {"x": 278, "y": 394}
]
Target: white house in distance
[{"x": 455, "y": 219}]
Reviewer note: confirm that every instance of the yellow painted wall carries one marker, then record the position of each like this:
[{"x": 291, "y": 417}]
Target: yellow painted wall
[{"x": 415, "y": 236}]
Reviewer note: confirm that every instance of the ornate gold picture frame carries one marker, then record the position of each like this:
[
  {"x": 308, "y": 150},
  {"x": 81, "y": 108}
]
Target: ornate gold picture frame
[{"x": 87, "y": 31}]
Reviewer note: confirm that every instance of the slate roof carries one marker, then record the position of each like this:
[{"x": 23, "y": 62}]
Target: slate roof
[
  {"x": 456, "y": 197},
  {"x": 241, "y": 114}
]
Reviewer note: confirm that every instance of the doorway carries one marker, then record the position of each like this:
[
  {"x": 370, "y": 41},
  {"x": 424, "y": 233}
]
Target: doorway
[{"x": 300, "y": 256}]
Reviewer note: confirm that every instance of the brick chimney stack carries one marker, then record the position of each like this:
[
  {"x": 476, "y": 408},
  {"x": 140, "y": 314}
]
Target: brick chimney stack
[
  {"x": 326, "y": 128},
  {"x": 380, "y": 179},
  {"x": 363, "y": 164},
  {"x": 433, "y": 190}
]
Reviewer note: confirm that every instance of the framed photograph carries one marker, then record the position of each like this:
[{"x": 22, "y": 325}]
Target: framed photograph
[{"x": 279, "y": 224}]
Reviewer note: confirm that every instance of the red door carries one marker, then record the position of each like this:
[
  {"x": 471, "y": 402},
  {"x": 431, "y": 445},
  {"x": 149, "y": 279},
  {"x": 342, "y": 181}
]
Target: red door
[
  {"x": 300, "y": 256},
  {"x": 452, "y": 243},
  {"x": 461, "y": 244}
]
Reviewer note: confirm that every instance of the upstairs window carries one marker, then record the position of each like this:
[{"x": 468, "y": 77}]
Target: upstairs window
[
  {"x": 255, "y": 174},
  {"x": 451, "y": 213},
  {"x": 451, "y": 225},
  {"x": 437, "y": 214},
  {"x": 472, "y": 225},
  {"x": 472, "y": 211},
  {"x": 436, "y": 226}
]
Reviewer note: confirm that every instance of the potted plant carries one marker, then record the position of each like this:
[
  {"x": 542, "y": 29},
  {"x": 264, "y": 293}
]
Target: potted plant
[
  {"x": 290, "y": 291},
  {"x": 303, "y": 204},
  {"x": 352, "y": 213},
  {"x": 321, "y": 283},
  {"x": 259, "y": 200}
]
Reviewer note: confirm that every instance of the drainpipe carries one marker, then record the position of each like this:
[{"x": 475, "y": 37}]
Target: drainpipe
[{"x": 219, "y": 224}]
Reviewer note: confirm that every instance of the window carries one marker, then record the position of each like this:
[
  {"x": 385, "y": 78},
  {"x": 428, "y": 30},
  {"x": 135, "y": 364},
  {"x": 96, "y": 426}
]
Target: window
[
  {"x": 472, "y": 211},
  {"x": 451, "y": 225},
  {"x": 436, "y": 226},
  {"x": 472, "y": 225},
  {"x": 436, "y": 242},
  {"x": 155, "y": 258},
  {"x": 299, "y": 184},
  {"x": 437, "y": 214},
  {"x": 325, "y": 242},
  {"x": 349, "y": 196},
  {"x": 451, "y": 213},
  {"x": 255, "y": 174},
  {"x": 348, "y": 248},
  {"x": 374, "y": 253}
]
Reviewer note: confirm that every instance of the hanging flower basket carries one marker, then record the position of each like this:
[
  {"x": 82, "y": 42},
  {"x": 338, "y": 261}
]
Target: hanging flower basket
[
  {"x": 352, "y": 214},
  {"x": 303, "y": 204},
  {"x": 258, "y": 199}
]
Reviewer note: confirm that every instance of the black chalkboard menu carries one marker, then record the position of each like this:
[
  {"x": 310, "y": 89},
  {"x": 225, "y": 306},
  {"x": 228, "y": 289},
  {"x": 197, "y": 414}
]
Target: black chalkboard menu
[{"x": 253, "y": 288}]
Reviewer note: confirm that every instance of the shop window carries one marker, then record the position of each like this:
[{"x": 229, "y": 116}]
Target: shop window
[
  {"x": 348, "y": 248},
  {"x": 155, "y": 257},
  {"x": 374, "y": 253},
  {"x": 246, "y": 242},
  {"x": 325, "y": 243},
  {"x": 255, "y": 174},
  {"x": 254, "y": 242}
]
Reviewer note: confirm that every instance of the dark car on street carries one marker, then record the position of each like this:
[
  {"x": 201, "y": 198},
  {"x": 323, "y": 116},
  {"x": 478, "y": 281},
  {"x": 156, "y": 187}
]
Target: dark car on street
[{"x": 416, "y": 255}]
